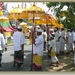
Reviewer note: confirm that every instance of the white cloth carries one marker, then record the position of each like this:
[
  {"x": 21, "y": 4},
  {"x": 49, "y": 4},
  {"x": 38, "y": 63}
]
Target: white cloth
[
  {"x": 54, "y": 59},
  {"x": 74, "y": 58},
  {"x": 39, "y": 45},
  {"x": 18, "y": 40},
  {"x": 53, "y": 45},
  {"x": 62, "y": 41},
  {"x": 69, "y": 35},
  {"x": 57, "y": 47},
  {"x": 69, "y": 45},
  {"x": 73, "y": 36},
  {"x": 2, "y": 41},
  {"x": 57, "y": 35},
  {"x": 62, "y": 46},
  {"x": 45, "y": 36},
  {"x": 62, "y": 35}
]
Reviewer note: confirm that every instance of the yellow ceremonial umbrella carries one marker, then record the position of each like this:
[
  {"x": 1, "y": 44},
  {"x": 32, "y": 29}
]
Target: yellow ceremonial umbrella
[
  {"x": 24, "y": 27},
  {"x": 44, "y": 19},
  {"x": 33, "y": 11},
  {"x": 4, "y": 19},
  {"x": 16, "y": 13}
]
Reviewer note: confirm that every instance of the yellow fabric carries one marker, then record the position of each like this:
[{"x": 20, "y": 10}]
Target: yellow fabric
[
  {"x": 1, "y": 13},
  {"x": 8, "y": 34},
  {"x": 31, "y": 38},
  {"x": 4, "y": 20},
  {"x": 53, "y": 53},
  {"x": 37, "y": 60}
]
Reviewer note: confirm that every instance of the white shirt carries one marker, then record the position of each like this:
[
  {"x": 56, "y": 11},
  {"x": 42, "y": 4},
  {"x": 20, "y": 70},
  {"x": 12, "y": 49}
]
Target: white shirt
[
  {"x": 69, "y": 35},
  {"x": 62, "y": 35},
  {"x": 39, "y": 45},
  {"x": 53, "y": 45},
  {"x": 73, "y": 36},
  {"x": 2, "y": 41},
  {"x": 45, "y": 36},
  {"x": 57, "y": 36},
  {"x": 18, "y": 40}
]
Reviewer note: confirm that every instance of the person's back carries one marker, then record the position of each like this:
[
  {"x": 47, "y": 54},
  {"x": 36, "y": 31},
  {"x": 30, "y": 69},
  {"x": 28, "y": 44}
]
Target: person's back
[
  {"x": 17, "y": 39},
  {"x": 2, "y": 41},
  {"x": 53, "y": 45},
  {"x": 18, "y": 44},
  {"x": 70, "y": 37}
]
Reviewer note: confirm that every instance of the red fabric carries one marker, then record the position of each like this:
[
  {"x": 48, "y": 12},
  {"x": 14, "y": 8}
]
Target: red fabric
[
  {"x": 0, "y": 4},
  {"x": 14, "y": 29},
  {"x": 7, "y": 29},
  {"x": 1, "y": 30}
]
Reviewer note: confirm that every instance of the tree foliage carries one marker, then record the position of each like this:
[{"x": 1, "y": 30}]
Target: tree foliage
[{"x": 69, "y": 14}]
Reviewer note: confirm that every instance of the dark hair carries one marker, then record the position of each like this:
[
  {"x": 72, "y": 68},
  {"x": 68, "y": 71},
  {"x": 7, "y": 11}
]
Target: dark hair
[
  {"x": 62, "y": 28},
  {"x": 1, "y": 30},
  {"x": 20, "y": 20},
  {"x": 19, "y": 29},
  {"x": 44, "y": 30},
  {"x": 53, "y": 35}
]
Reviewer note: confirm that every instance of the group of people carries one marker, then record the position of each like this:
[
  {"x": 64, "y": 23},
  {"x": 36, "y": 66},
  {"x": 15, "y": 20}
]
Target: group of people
[
  {"x": 54, "y": 43},
  {"x": 59, "y": 41}
]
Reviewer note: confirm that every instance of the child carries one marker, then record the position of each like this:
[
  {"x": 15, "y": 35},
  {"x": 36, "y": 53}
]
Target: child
[{"x": 54, "y": 59}]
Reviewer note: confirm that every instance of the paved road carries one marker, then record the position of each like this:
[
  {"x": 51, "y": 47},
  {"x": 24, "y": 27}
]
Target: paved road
[{"x": 7, "y": 59}]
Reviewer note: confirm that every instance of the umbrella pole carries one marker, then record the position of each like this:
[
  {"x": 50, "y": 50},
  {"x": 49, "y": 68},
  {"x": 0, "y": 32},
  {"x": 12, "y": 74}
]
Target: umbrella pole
[{"x": 32, "y": 48}]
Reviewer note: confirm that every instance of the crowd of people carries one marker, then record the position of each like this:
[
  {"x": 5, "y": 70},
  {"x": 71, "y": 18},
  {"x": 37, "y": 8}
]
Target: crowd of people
[{"x": 57, "y": 42}]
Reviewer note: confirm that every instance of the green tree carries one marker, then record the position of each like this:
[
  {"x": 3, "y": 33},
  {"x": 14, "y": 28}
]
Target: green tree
[{"x": 69, "y": 14}]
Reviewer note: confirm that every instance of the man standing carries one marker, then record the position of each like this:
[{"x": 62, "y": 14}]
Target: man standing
[
  {"x": 54, "y": 59},
  {"x": 62, "y": 40},
  {"x": 69, "y": 39},
  {"x": 2, "y": 44},
  {"x": 38, "y": 50},
  {"x": 18, "y": 43},
  {"x": 57, "y": 40}
]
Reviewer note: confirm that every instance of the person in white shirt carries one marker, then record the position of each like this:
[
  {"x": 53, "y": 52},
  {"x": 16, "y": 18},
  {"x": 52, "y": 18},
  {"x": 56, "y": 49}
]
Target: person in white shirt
[
  {"x": 48, "y": 42},
  {"x": 18, "y": 45},
  {"x": 74, "y": 39},
  {"x": 62, "y": 41},
  {"x": 45, "y": 38},
  {"x": 2, "y": 45},
  {"x": 54, "y": 59},
  {"x": 69, "y": 39},
  {"x": 38, "y": 50},
  {"x": 57, "y": 40}
]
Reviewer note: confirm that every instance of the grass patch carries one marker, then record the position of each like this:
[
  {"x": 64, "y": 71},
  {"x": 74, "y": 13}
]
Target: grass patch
[{"x": 9, "y": 42}]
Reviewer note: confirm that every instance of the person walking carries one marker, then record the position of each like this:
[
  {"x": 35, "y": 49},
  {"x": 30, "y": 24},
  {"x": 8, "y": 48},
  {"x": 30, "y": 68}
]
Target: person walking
[
  {"x": 52, "y": 51},
  {"x": 18, "y": 45},
  {"x": 2, "y": 45},
  {"x": 38, "y": 50},
  {"x": 74, "y": 39}
]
